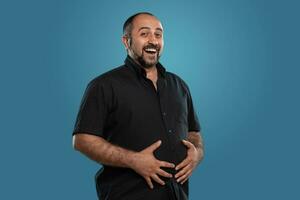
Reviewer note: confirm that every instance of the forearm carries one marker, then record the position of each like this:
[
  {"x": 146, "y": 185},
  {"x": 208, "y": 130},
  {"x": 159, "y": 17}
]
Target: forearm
[
  {"x": 196, "y": 139},
  {"x": 101, "y": 151}
]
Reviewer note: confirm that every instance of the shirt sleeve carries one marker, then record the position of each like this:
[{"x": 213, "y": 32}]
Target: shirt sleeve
[
  {"x": 92, "y": 112},
  {"x": 193, "y": 121}
]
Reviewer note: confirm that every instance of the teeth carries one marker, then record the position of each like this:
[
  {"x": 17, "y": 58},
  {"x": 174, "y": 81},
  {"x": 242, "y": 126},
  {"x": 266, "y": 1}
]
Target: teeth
[{"x": 151, "y": 50}]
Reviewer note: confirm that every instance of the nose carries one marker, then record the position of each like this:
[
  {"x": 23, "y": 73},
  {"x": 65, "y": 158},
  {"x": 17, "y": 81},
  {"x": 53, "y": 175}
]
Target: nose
[{"x": 152, "y": 39}]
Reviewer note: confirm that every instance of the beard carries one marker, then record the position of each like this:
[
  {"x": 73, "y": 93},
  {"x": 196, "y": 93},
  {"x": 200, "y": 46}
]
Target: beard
[{"x": 148, "y": 62}]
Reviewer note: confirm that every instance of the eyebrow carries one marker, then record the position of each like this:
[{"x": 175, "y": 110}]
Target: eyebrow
[{"x": 145, "y": 27}]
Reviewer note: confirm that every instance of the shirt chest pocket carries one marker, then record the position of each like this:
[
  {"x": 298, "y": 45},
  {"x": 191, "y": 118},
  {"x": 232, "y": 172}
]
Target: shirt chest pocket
[
  {"x": 179, "y": 116},
  {"x": 180, "y": 109}
]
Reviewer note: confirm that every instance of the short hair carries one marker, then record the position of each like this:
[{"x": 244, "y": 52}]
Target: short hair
[{"x": 127, "y": 26}]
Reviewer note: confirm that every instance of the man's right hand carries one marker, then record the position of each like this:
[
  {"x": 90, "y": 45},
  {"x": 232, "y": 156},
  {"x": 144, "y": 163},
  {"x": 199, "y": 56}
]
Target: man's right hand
[{"x": 145, "y": 164}]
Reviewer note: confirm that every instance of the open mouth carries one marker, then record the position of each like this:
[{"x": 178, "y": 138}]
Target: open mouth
[{"x": 150, "y": 50}]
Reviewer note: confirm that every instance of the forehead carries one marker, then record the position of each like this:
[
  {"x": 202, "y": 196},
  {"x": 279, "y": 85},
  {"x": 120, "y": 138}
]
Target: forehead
[{"x": 146, "y": 21}]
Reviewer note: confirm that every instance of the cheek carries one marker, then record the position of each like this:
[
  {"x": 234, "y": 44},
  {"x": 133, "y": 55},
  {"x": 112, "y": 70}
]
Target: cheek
[
  {"x": 161, "y": 48},
  {"x": 161, "y": 44},
  {"x": 137, "y": 45}
]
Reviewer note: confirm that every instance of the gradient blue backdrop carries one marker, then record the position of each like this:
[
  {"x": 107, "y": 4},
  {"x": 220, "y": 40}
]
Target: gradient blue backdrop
[{"x": 240, "y": 59}]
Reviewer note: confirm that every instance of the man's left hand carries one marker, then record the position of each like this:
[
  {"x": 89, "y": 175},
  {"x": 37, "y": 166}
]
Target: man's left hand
[{"x": 186, "y": 167}]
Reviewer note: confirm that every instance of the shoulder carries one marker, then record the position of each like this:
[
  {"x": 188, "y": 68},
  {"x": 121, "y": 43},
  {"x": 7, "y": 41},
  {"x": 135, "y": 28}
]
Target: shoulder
[
  {"x": 110, "y": 76},
  {"x": 177, "y": 80}
]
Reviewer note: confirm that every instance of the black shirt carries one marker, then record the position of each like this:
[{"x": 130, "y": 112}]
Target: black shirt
[{"x": 123, "y": 107}]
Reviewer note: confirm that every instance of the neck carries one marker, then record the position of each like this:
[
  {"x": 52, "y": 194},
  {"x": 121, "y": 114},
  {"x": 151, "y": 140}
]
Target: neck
[
  {"x": 151, "y": 73},
  {"x": 150, "y": 69}
]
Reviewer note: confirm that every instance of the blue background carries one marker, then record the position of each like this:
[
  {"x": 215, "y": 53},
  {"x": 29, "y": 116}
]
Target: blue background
[{"x": 240, "y": 59}]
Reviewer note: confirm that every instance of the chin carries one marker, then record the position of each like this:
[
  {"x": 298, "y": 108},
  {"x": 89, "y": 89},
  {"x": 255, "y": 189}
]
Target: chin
[{"x": 152, "y": 62}]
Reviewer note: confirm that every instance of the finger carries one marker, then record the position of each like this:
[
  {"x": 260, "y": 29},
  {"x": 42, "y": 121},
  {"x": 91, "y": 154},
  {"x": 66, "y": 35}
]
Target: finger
[
  {"x": 182, "y": 182},
  {"x": 182, "y": 164},
  {"x": 183, "y": 171},
  {"x": 149, "y": 182},
  {"x": 153, "y": 146},
  {"x": 184, "y": 176},
  {"x": 166, "y": 164},
  {"x": 164, "y": 173},
  {"x": 187, "y": 143},
  {"x": 157, "y": 179}
]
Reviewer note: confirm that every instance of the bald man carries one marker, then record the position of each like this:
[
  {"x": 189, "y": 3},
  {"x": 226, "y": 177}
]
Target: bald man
[{"x": 138, "y": 121}]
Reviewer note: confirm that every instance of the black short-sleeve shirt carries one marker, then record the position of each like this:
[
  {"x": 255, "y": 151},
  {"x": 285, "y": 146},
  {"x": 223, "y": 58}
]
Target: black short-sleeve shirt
[{"x": 123, "y": 107}]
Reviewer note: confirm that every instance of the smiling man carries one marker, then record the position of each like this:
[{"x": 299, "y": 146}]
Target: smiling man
[{"x": 139, "y": 122}]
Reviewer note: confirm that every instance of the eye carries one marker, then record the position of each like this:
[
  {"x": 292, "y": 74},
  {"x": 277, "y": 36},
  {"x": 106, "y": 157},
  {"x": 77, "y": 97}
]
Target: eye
[
  {"x": 158, "y": 35},
  {"x": 144, "y": 34}
]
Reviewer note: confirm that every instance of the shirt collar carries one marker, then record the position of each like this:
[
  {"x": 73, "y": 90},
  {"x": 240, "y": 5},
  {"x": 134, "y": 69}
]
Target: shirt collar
[{"x": 141, "y": 72}]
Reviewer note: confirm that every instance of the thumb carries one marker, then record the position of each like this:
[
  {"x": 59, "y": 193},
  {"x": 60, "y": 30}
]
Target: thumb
[
  {"x": 154, "y": 146},
  {"x": 187, "y": 143}
]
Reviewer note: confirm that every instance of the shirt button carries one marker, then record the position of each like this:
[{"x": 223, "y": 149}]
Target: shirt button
[
  {"x": 164, "y": 114},
  {"x": 170, "y": 131}
]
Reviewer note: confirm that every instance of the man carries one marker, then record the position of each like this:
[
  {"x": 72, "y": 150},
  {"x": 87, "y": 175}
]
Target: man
[{"x": 138, "y": 121}]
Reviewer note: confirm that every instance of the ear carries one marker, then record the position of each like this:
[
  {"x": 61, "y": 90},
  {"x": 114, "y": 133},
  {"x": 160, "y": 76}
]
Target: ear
[{"x": 126, "y": 41}]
